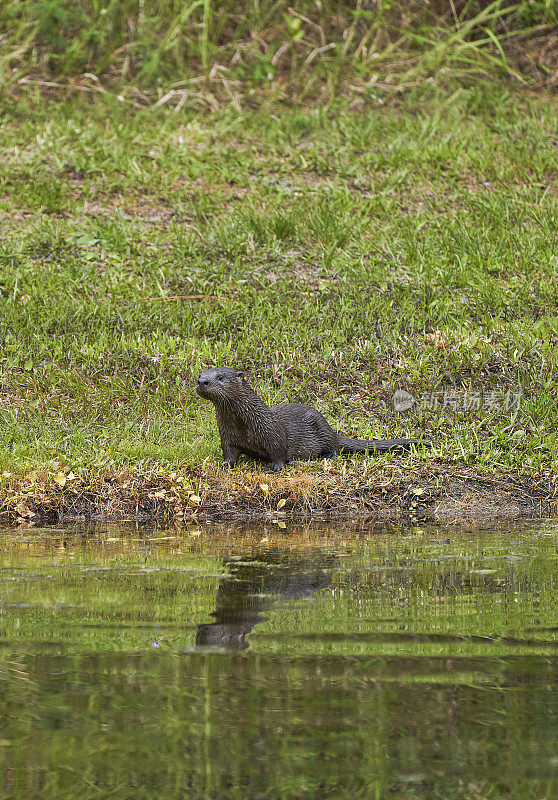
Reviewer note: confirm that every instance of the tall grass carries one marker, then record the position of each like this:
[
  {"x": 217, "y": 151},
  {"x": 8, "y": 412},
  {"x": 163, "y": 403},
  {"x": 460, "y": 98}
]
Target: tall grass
[{"x": 246, "y": 46}]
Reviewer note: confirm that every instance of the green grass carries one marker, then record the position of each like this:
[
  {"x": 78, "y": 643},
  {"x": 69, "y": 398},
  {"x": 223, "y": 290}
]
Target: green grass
[{"x": 342, "y": 255}]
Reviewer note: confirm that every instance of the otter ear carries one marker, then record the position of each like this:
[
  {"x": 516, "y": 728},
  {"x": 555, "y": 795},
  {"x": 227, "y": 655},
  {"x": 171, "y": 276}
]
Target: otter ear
[{"x": 239, "y": 374}]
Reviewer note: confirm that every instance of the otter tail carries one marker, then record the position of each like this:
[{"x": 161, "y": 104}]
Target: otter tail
[{"x": 378, "y": 445}]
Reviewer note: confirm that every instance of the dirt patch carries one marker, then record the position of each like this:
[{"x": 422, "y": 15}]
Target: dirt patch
[
  {"x": 440, "y": 491},
  {"x": 144, "y": 212}
]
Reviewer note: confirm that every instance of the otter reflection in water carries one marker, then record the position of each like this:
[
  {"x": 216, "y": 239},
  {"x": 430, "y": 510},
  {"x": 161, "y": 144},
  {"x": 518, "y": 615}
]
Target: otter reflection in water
[{"x": 255, "y": 582}]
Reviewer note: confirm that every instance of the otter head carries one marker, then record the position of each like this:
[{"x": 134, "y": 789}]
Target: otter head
[{"x": 218, "y": 383}]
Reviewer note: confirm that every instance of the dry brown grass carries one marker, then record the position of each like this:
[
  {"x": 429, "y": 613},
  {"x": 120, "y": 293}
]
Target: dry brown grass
[{"x": 437, "y": 490}]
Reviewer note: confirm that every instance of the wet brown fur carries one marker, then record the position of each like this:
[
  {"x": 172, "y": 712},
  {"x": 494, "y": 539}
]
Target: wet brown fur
[{"x": 276, "y": 434}]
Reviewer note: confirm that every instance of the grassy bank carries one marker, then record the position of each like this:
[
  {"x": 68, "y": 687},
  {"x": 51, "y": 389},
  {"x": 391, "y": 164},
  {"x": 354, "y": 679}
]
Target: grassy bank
[{"x": 336, "y": 257}]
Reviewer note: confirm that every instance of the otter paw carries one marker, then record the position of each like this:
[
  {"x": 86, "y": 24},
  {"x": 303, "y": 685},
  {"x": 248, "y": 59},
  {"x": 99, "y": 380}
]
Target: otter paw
[
  {"x": 277, "y": 466},
  {"x": 229, "y": 463}
]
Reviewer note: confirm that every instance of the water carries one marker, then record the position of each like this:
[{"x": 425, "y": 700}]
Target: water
[{"x": 262, "y": 663}]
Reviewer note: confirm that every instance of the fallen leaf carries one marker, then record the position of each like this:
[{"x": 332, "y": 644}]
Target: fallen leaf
[
  {"x": 264, "y": 487},
  {"x": 281, "y": 503},
  {"x": 60, "y": 479}
]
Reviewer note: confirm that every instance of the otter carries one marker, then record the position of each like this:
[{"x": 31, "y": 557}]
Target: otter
[{"x": 276, "y": 434}]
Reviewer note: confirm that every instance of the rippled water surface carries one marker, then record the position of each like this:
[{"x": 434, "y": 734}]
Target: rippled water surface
[{"x": 371, "y": 662}]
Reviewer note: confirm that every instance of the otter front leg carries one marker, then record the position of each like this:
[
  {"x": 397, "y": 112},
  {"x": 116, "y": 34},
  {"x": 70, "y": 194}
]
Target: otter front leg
[{"x": 230, "y": 453}]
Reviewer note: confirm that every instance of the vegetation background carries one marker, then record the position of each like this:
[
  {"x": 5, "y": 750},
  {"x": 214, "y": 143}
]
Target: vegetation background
[
  {"x": 247, "y": 49},
  {"x": 343, "y": 198}
]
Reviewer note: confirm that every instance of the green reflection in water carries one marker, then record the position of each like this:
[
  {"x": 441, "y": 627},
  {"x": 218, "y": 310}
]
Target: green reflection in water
[{"x": 327, "y": 663}]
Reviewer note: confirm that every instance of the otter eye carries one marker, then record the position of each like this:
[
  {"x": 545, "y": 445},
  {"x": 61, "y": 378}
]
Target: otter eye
[{"x": 219, "y": 377}]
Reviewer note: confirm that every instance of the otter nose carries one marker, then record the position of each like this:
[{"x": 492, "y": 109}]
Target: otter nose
[{"x": 203, "y": 381}]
